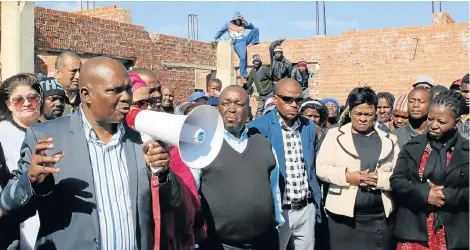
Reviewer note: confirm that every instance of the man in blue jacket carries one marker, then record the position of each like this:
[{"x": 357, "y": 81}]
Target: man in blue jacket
[
  {"x": 236, "y": 30},
  {"x": 293, "y": 138}
]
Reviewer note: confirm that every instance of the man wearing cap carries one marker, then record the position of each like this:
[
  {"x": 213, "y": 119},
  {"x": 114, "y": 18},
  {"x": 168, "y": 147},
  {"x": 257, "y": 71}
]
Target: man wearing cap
[
  {"x": 198, "y": 98},
  {"x": 213, "y": 101},
  {"x": 260, "y": 75},
  {"x": 333, "y": 111},
  {"x": 280, "y": 66},
  {"x": 236, "y": 28},
  {"x": 302, "y": 74},
  {"x": 53, "y": 96},
  {"x": 424, "y": 81}
]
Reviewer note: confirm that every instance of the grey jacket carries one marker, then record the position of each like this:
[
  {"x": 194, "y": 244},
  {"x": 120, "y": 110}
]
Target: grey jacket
[{"x": 67, "y": 209}]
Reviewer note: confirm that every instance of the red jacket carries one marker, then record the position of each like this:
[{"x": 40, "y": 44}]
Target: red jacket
[{"x": 185, "y": 226}]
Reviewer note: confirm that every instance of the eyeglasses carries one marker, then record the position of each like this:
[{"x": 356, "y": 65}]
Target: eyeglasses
[
  {"x": 289, "y": 100},
  {"x": 142, "y": 104},
  {"x": 154, "y": 101},
  {"x": 18, "y": 101}
]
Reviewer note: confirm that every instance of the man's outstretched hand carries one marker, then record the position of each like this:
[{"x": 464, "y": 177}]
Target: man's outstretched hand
[{"x": 41, "y": 164}]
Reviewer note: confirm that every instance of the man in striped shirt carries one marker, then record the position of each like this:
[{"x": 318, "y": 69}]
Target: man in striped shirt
[{"x": 86, "y": 173}]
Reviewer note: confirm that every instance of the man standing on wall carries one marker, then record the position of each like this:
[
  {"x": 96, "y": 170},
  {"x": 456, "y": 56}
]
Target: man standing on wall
[
  {"x": 280, "y": 66},
  {"x": 260, "y": 75},
  {"x": 236, "y": 28},
  {"x": 302, "y": 74},
  {"x": 67, "y": 66}
]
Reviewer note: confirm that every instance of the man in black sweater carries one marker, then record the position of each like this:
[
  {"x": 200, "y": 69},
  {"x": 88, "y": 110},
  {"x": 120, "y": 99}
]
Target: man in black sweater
[{"x": 239, "y": 189}]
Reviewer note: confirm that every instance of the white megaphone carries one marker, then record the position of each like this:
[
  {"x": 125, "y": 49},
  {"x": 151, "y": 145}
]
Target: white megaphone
[{"x": 198, "y": 135}]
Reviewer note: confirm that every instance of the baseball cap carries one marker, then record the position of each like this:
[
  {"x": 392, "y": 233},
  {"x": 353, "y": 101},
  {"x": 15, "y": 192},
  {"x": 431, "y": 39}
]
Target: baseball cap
[
  {"x": 50, "y": 86},
  {"x": 196, "y": 95},
  {"x": 213, "y": 101},
  {"x": 424, "y": 79}
]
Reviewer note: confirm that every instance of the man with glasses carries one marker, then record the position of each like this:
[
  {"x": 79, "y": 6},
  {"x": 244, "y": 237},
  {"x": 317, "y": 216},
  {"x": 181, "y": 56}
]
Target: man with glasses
[
  {"x": 67, "y": 66},
  {"x": 53, "y": 96},
  {"x": 293, "y": 138}
]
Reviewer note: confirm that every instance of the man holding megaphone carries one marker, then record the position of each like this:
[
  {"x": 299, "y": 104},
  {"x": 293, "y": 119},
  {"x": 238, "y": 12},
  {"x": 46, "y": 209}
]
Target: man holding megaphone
[{"x": 86, "y": 173}]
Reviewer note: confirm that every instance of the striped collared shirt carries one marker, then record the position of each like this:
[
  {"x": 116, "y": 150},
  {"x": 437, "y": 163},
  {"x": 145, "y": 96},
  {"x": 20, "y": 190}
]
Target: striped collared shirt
[{"x": 111, "y": 181}]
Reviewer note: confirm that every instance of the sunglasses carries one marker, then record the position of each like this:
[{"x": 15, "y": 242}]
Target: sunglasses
[
  {"x": 18, "y": 102},
  {"x": 154, "y": 101},
  {"x": 142, "y": 104},
  {"x": 289, "y": 100}
]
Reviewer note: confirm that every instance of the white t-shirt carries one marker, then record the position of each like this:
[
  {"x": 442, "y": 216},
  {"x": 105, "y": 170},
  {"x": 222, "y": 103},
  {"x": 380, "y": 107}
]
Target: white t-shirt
[{"x": 11, "y": 139}]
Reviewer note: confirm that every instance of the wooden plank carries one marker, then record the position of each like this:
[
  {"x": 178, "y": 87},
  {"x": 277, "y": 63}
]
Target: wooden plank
[{"x": 188, "y": 65}]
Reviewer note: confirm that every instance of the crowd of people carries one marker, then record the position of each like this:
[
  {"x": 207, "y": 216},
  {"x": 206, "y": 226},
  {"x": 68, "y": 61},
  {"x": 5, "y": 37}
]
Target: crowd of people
[{"x": 378, "y": 172}]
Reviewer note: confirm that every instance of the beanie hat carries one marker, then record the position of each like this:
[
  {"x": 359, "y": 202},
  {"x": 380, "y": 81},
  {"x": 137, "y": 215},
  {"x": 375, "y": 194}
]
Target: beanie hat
[
  {"x": 257, "y": 57},
  {"x": 424, "y": 79},
  {"x": 269, "y": 104},
  {"x": 302, "y": 63},
  {"x": 401, "y": 103},
  {"x": 50, "y": 86},
  {"x": 278, "y": 49},
  {"x": 333, "y": 100},
  {"x": 137, "y": 82}
]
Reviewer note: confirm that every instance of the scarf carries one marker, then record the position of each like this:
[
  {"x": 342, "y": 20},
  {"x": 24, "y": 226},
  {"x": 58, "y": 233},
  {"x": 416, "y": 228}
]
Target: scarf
[{"x": 435, "y": 168}]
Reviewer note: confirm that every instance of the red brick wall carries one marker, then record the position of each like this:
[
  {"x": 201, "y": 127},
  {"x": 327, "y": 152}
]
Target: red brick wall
[
  {"x": 383, "y": 59},
  {"x": 58, "y": 30},
  {"x": 112, "y": 13}
]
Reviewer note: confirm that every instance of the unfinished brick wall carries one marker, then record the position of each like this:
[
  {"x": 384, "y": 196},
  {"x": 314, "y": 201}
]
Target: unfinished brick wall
[
  {"x": 112, "y": 13},
  {"x": 90, "y": 36},
  {"x": 385, "y": 59}
]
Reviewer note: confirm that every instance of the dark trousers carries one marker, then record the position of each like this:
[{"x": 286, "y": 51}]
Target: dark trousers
[{"x": 267, "y": 241}]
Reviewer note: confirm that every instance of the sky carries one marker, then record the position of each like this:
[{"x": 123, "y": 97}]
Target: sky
[{"x": 275, "y": 20}]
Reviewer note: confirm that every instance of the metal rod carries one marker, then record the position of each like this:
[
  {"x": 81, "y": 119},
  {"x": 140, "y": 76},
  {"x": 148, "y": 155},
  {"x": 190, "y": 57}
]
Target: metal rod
[
  {"x": 440, "y": 6},
  {"x": 197, "y": 28},
  {"x": 432, "y": 6},
  {"x": 317, "y": 19},
  {"x": 324, "y": 18}
]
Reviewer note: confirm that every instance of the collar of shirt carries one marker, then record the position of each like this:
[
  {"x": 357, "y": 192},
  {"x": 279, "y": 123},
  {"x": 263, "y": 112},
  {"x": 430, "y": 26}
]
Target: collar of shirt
[
  {"x": 91, "y": 136},
  {"x": 284, "y": 126},
  {"x": 239, "y": 144}
]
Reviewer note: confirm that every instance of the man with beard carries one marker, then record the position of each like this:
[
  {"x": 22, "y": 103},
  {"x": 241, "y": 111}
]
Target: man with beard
[
  {"x": 280, "y": 66},
  {"x": 293, "y": 138},
  {"x": 67, "y": 66},
  {"x": 464, "y": 126},
  {"x": 87, "y": 173},
  {"x": 168, "y": 95},
  {"x": 419, "y": 100},
  {"x": 53, "y": 99},
  {"x": 261, "y": 77}
]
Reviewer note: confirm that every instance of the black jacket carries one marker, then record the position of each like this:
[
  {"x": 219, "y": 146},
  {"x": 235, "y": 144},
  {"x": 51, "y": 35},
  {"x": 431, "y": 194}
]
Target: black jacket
[{"x": 412, "y": 194}]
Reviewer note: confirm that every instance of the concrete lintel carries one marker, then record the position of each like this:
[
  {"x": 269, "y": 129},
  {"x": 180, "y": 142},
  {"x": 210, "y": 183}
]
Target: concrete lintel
[
  {"x": 17, "y": 52},
  {"x": 188, "y": 65}
]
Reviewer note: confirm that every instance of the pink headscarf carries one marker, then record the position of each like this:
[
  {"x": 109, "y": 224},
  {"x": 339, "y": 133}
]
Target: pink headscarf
[{"x": 137, "y": 82}]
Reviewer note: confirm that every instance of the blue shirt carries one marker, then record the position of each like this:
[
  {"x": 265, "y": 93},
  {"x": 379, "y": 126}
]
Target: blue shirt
[
  {"x": 239, "y": 145},
  {"x": 111, "y": 179}
]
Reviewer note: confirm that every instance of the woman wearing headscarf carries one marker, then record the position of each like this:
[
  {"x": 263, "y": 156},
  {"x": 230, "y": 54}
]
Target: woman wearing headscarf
[
  {"x": 400, "y": 113},
  {"x": 357, "y": 160},
  {"x": 430, "y": 182}
]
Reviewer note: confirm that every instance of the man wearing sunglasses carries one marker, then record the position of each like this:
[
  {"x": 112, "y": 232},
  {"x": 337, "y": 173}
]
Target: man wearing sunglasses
[
  {"x": 53, "y": 96},
  {"x": 154, "y": 87},
  {"x": 293, "y": 138}
]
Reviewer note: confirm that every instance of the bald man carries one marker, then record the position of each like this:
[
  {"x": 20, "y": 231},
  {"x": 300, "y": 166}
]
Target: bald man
[
  {"x": 87, "y": 174},
  {"x": 240, "y": 189},
  {"x": 293, "y": 138},
  {"x": 67, "y": 73}
]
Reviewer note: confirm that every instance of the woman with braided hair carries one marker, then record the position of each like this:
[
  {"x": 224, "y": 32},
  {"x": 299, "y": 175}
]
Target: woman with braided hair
[{"x": 430, "y": 182}]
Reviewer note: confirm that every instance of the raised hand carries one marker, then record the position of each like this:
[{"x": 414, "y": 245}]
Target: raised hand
[{"x": 41, "y": 164}]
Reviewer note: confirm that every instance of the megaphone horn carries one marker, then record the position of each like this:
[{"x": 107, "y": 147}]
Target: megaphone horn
[{"x": 198, "y": 135}]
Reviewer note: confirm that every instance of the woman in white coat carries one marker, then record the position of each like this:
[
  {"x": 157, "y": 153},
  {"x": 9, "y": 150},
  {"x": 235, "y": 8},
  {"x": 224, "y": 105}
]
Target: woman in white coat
[{"x": 357, "y": 160}]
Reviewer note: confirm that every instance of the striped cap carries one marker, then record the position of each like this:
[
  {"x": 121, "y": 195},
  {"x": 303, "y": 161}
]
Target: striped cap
[{"x": 401, "y": 103}]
